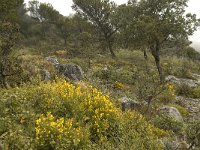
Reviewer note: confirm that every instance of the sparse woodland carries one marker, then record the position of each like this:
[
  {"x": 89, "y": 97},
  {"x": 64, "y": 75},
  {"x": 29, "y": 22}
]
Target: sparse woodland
[{"x": 113, "y": 77}]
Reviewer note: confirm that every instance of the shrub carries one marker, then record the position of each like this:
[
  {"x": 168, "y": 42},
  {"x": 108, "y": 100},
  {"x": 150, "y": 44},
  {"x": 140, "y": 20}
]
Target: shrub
[
  {"x": 139, "y": 134},
  {"x": 193, "y": 134},
  {"x": 52, "y": 133},
  {"x": 168, "y": 94},
  {"x": 59, "y": 115},
  {"x": 168, "y": 123},
  {"x": 184, "y": 90},
  {"x": 196, "y": 92}
]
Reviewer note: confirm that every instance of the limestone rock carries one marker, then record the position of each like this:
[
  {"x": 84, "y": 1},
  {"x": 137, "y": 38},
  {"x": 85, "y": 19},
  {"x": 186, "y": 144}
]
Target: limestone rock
[
  {"x": 181, "y": 81},
  {"x": 46, "y": 76},
  {"x": 128, "y": 103},
  {"x": 192, "y": 105},
  {"x": 71, "y": 71},
  {"x": 171, "y": 112}
]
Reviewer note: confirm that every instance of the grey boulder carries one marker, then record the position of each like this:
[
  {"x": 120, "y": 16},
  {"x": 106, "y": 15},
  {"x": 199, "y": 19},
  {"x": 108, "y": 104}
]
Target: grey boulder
[
  {"x": 129, "y": 104},
  {"x": 45, "y": 74},
  {"x": 71, "y": 71},
  {"x": 171, "y": 112},
  {"x": 181, "y": 81}
]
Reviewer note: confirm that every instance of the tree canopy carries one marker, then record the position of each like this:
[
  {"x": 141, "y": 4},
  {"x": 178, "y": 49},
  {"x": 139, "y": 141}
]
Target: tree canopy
[{"x": 101, "y": 13}]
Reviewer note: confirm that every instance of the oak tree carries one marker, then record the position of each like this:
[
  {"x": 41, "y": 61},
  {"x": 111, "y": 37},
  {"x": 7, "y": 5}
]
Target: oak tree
[{"x": 101, "y": 13}]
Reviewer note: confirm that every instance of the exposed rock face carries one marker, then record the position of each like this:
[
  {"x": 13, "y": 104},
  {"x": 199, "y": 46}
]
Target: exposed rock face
[
  {"x": 46, "y": 76},
  {"x": 128, "y": 103},
  {"x": 71, "y": 71},
  {"x": 171, "y": 112},
  {"x": 192, "y": 105},
  {"x": 180, "y": 81}
]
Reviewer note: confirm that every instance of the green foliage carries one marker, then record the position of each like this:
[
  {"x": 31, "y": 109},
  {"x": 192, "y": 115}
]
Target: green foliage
[
  {"x": 168, "y": 95},
  {"x": 8, "y": 10},
  {"x": 187, "y": 91},
  {"x": 80, "y": 117},
  {"x": 196, "y": 92},
  {"x": 168, "y": 123},
  {"x": 9, "y": 35},
  {"x": 184, "y": 112},
  {"x": 193, "y": 134},
  {"x": 189, "y": 52},
  {"x": 101, "y": 14},
  {"x": 180, "y": 67},
  {"x": 156, "y": 22},
  {"x": 184, "y": 90}
]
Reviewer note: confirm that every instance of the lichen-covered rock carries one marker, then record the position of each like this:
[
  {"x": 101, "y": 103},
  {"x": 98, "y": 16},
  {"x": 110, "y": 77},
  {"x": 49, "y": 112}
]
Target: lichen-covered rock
[
  {"x": 171, "y": 112},
  {"x": 71, "y": 71},
  {"x": 128, "y": 103},
  {"x": 53, "y": 60},
  {"x": 45, "y": 74},
  {"x": 192, "y": 105},
  {"x": 181, "y": 81}
]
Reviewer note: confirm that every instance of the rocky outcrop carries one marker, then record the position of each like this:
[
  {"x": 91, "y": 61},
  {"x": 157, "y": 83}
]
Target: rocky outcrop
[
  {"x": 171, "y": 112},
  {"x": 129, "y": 104},
  {"x": 181, "y": 81},
  {"x": 71, "y": 71},
  {"x": 192, "y": 105}
]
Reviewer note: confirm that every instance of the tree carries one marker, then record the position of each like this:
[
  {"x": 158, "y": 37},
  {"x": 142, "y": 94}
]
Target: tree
[
  {"x": 101, "y": 14},
  {"x": 44, "y": 13},
  {"x": 159, "y": 21},
  {"x": 64, "y": 25},
  {"x": 9, "y": 34}
]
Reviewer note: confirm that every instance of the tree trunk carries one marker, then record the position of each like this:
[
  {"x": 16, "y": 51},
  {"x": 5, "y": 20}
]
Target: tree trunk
[
  {"x": 110, "y": 47},
  {"x": 155, "y": 52}
]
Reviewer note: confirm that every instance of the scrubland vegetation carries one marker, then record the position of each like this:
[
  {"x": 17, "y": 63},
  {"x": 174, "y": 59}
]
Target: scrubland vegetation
[{"x": 124, "y": 51}]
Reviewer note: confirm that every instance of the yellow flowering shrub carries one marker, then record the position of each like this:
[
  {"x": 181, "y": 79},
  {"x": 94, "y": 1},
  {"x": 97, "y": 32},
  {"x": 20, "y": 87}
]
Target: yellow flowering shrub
[
  {"x": 66, "y": 116},
  {"x": 88, "y": 105},
  {"x": 143, "y": 135},
  {"x": 52, "y": 133}
]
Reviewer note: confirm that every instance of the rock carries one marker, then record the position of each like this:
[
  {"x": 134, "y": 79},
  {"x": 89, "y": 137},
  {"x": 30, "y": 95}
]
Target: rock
[
  {"x": 174, "y": 144},
  {"x": 181, "y": 81},
  {"x": 128, "y": 103},
  {"x": 192, "y": 105},
  {"x": 171, "y": 112},
  {"x": 53, "y": 60},
  {"x": 71, "y": 71},
  {"x": 46, "y": 76}
]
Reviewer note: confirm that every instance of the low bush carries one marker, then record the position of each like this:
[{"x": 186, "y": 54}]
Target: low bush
[
  {"x": 59, "y": 115},
  {"x": 168, "y": 123},
  {"x": 168, "y": 94},
  {"x": 196, "y": 92},
  {"x": 184, "y": 90}
]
